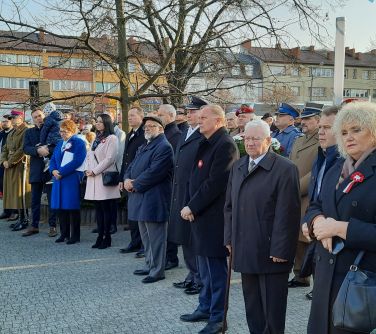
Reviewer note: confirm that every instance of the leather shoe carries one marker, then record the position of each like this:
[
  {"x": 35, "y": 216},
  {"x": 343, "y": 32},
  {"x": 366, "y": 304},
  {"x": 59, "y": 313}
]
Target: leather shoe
[
  {"x": 183, "y": 285},
  {"x": 32, "y": 230},
  {"x": 150, "y": 279},
  {"x": 95, "y": 230},
  {"x": 20, "y": 226},
  {"x": 113, "y": 229},
  {"x": 193, "y": 290},
  {"x": 128, "y": 249},
  {"x": 212, "y": 328},
  {"x": 13, "y": 217},
  {"x": 140, "y": 254},
  {"x": 141, "y": 272},
  {"x": 4, "y": 215},
  {"x": 195, "y": 316},
  {"x": 296, "y": 284},
  {"x": 60, "y": 239},
  {"x": 72, "y": 241},
  {"x": 169, "y": 265},
  {"x": 309, "y": 295}
]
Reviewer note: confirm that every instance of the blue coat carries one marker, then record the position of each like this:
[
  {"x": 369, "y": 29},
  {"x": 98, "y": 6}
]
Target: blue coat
[
  {"x": 66, "y": 191},
  {"x": 287, "y": 138},
  {"x": 31, "y": 139},
  {"x": 151, "y": 171}
]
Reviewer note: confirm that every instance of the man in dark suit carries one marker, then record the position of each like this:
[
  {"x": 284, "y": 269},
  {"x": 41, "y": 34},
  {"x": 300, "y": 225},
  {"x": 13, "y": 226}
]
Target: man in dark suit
[
  {"x": 182, "y": 119},
  {"x": 204, "y": 209},
  {"x": 261, "y": 231},
  {"x": 134, "y": 139},
  {"x": 148, "y": 181},
  {"x": 167, "y": 113},
  {"x": 179, "y": 230},
  {"x": 37, "y": 177}
]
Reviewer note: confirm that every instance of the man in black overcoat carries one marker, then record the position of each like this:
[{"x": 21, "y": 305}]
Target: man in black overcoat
[
  {"x": 204, "y": 209},
  {"x": 262, "y": 220},
  {"x": 133, "y": 140},
  {"x": 179, "y": 230}
]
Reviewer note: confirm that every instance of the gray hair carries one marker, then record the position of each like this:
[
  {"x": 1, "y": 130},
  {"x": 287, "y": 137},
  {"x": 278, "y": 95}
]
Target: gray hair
[
  {"x": 169, "y": 109},
  {"x": 258, "y": 123},
  {"x": 362, "y": 114}
]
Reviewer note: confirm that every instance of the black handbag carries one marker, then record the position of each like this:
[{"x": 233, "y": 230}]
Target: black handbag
[
  {"x": 355, "y": 306},
  {"x": 110, "y": 179}
]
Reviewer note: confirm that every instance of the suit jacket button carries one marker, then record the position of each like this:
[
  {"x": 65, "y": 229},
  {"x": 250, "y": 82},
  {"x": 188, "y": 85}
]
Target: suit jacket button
[
  {"x": 318, "y": 257},
  {"x": 354, "y": 203},
  {"x": 331, "y": 261}
]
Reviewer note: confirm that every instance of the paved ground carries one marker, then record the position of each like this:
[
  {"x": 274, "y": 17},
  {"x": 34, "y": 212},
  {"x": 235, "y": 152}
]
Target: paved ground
[{"x": 55, "y": 288}]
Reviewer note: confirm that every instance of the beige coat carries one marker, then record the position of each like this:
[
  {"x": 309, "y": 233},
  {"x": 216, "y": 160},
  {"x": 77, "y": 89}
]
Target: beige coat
[
  {"x": 303, "y": 153},
  {"x": 106, "y": 154},
  {"x": 16, "y": 177}
]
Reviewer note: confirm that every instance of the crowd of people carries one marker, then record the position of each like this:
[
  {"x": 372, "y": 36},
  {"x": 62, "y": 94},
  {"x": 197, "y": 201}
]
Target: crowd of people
[{"x": 306, "y": 207}]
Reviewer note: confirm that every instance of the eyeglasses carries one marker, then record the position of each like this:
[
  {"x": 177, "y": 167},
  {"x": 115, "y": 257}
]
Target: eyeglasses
[
  {"x": 149, "y": 126},
  {"x": 254, "y": 139}
]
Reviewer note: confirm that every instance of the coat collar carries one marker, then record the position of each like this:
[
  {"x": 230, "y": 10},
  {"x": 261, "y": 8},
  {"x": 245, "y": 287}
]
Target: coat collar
[
  {"x": 265, "y": 163},
  {"x": 195, "y": 135},
  {"x": 216, "y": 136},
  {"x": 154, "y": 142}
]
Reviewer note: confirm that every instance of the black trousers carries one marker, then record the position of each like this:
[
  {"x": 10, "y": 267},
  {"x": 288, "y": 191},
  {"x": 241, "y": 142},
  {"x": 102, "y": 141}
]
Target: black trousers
[
  {"x": 113, "y": 212},
  {"x": 36, "y": 195},
  {"x": 104, "y": 215},
  {"x": 191, "y": 261},
  {"x": 265, "y": 298},
  {"x": 70, "y": 221},
  {"x": 172, "y": 252},
  {"x": 136, "y": 241}
]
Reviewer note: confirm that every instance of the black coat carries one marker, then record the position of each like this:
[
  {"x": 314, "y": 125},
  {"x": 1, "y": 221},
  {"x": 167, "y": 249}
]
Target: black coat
[
  {"x": 358, "y": 207},
  {"x": 262, "y": 214},
  {"x": 207, "y": 192},
  {"x": 179, "y": 230},
  {"x": 32, "y": 138},
  {"x": 172, "y": 134},
  {"x": 183, "y": 127},
  {"x": 130, "y": 148}
]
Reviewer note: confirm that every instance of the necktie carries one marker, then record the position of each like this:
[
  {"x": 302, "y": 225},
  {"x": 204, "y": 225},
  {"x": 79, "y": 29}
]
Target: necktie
[{"x": 251, "y": 166}]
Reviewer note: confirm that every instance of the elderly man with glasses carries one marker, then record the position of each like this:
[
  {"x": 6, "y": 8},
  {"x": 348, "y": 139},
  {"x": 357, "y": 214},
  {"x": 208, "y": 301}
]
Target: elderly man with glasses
[{"x": 148, "y": 181}]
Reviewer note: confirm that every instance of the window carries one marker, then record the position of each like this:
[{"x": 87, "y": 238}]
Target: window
[
  {"x": 295, "y": 90},
  {"x": 32, "y": 61},
  {"x": 317, "y": 91},
  {"x": 7, "y": 59},
  {"x": 351, "y": 92},
  {"x": 277, "y": 70},
  {"x": 322, "y": 72},
  {"x": 235, "y": 70},
  {"x": 295, "y": 71},
  {"x": 107, "y": 87},
  {"x": 248, "y": 70},
  {"x": 346, "y": 74},
  {"x": 367, "y": 75},
  {"x": 70, "y": 85},
  {"x": 354, "y": 73},
  {"x": 15, "y": 83},
  {"x": 63, "y": 62}
]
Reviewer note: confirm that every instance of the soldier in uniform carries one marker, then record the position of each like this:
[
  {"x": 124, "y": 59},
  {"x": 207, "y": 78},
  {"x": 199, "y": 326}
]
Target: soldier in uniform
[
  {"x": 17, "y": 190},
  {"x": 303, "y": 154},
  {"x": 287, "y": 132}
]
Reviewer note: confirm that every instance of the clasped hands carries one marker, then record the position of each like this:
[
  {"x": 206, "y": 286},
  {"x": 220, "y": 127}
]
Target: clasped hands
[
  {"x": 128, "y": 185},
  {"x": 43, "y": 151},
  {"x": 187, "y": 214},
  {"x": 56, "y": 174},
  {"x": 325, "y": 229}
]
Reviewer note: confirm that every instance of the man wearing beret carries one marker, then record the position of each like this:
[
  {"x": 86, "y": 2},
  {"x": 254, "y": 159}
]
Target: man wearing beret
[
  {"x": 287, "y": 132},
  {"x": 16, "y": 186},
  {"x": 303, "y": 153},
  {"x": 244, "y": 114},
  {"x": 148, "y": 181}
]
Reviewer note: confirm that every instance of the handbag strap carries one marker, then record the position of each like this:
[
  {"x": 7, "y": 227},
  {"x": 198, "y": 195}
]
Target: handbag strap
[
  {"x": 354, "y": 267},
  {"x": 95, "y": 157}
]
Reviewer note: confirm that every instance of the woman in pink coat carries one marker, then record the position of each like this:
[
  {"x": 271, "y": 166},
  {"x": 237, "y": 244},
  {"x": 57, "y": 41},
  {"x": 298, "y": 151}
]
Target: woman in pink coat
[{"x": 101, "y": 158}]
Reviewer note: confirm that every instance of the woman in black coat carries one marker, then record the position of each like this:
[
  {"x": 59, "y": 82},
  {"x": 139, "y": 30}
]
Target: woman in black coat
[{"x": 344, "y": 217}]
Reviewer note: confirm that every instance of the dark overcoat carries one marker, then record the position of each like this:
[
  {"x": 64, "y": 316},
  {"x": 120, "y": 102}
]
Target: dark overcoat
[
  {"x": 179, "y": 230},
  {"x": 173, "y": 134},
  {"x": 65, "y": 193},
  {"x": 133, "y": 141},
  {"x": 262, "y": 214},
  {"x": 358, "y": 207},
  {"x": 207, "y": 192},
  {"x": 151, "y": 171},
  {"x": 32, "y": 138}
]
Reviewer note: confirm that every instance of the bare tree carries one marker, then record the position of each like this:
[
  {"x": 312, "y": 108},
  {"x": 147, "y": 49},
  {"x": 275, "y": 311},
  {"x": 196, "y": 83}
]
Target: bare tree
[
  {"x": 172, "y": 40},
  {"x": 277, "y": 95}
]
